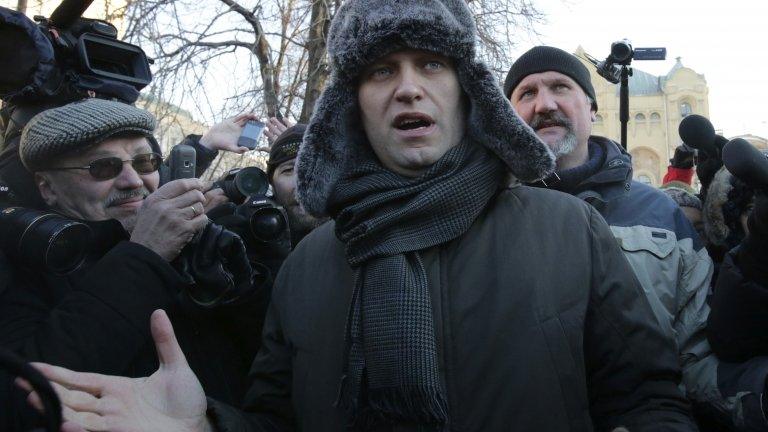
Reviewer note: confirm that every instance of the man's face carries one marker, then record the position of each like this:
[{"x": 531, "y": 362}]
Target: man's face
[
  {"x": 284, "y": 188},
  {"x": 77, "y": 194},
  {"x": 412, "y": 109},
  {"x": 559, "y": 111}
]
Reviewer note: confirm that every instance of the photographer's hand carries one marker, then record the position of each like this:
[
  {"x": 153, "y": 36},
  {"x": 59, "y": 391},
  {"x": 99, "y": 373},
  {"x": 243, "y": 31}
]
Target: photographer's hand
[
  {"x": 214, "y": 198},
  {"x": 171, "y": 399},
  {"x": 224, "y": 135},
  {"x": 171, "y": 216},
  {"x": 275, "y": 127}
]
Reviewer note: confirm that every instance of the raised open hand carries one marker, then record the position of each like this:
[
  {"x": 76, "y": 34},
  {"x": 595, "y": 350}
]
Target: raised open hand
[
  {"x": 224, "y": 135},
  {"x": 171, "y": 399}
]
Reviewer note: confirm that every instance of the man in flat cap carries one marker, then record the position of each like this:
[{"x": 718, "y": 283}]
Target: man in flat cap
[
  {"x": 96, "y": 162},
  {"x": 440, "y": 297}
]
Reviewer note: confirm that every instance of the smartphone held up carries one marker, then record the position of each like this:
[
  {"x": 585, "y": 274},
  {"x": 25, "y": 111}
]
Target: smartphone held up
[{"x": 251, "y": 134}]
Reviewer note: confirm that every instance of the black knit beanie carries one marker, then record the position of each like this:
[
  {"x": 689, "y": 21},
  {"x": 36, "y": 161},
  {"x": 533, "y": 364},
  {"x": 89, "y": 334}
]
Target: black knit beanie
[
  {"x": 544, "y": 58},
  {"x": 285, "y": 147}
]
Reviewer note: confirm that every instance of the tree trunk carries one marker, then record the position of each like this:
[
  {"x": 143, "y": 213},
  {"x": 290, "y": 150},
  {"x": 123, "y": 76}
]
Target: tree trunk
[
  {"x": 262, "y": 52},
  {"x": 21, "y": 6},
  {"x": 317, "y": 67}
]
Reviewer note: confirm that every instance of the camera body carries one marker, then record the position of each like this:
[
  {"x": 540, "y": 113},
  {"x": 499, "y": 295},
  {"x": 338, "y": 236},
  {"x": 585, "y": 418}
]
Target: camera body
[{"x": 259, "y": 220}]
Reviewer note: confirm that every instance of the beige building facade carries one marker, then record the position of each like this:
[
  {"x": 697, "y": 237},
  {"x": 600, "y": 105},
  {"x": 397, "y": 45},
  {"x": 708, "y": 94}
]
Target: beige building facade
[{"x": 657, "y": 104}]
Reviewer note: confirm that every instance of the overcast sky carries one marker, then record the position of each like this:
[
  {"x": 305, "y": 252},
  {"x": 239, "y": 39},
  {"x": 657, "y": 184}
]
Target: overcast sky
[{"x": 725, "y": 41}]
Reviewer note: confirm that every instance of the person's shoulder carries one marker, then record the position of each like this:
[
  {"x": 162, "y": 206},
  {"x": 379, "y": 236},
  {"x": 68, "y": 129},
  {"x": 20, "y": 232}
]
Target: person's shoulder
[
  {"x": 321, "y": 242},
  {"x": 650, "y": 207},
  {"x": 538, "y": 199},
  {"x": 646, "y": 194}
]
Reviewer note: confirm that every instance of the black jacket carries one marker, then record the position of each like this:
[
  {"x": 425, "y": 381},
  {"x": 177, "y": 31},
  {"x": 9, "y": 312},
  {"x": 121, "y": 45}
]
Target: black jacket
[
  {"x": 97, "y": 319},
  {"x": 540, "y": 325}
]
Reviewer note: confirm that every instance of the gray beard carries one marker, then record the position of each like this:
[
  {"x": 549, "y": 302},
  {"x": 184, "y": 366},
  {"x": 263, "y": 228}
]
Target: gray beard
[{"x": 565, "y": 146}]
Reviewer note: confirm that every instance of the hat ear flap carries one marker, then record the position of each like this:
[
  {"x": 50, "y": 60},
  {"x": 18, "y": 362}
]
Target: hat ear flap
[
  {"x": 493, "y": 122},
  {"x": 327, "y": 146}
]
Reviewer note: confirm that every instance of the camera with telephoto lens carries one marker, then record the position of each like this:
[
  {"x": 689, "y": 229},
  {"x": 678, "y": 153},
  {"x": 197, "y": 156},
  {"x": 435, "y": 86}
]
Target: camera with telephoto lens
[
  {"x": 265, "y": 222},
  {"x": 41, "y": 240},
  {"x": 240, "y": 183}
]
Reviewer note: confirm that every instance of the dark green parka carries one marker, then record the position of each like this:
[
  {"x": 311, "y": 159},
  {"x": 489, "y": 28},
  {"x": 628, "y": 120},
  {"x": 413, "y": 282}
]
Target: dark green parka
[{"x": 541, "y": 326}]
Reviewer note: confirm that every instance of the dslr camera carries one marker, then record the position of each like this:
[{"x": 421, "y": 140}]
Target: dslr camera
[{"x": 259, "y": 220}]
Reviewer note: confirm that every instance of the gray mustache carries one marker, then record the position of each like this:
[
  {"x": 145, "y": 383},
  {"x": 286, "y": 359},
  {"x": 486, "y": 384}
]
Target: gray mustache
[
  {"x": 554, "y": 118},
  {"x": 123, "y": 195}
]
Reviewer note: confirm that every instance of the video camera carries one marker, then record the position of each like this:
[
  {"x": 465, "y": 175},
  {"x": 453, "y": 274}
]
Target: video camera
[
  {"x": 622, "y": 54},
  {"x": 66, "y": 57}
]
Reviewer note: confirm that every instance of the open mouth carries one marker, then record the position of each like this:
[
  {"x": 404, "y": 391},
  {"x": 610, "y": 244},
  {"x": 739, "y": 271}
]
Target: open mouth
[{"x": 412, "y": 121}]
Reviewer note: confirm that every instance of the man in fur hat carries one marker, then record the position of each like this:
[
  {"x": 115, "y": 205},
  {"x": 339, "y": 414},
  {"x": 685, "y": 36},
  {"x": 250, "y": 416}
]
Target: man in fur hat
[{"x": 439, "y": 298}]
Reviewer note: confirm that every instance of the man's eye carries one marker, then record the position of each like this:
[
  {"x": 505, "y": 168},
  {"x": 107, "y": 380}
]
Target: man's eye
[
  {"x": 526, "y": 94},
  {"x": 562, "y": 87},
  {"x": 434, "y": 65},
  {"x": 381, "y": 72}
]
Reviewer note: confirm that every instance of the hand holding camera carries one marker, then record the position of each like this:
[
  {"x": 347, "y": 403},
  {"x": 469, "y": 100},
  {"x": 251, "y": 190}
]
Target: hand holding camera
[{"x": 171, "y": 216}]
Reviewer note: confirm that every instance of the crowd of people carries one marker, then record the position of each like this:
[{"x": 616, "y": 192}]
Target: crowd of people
[{"x": 465, "y": 256}]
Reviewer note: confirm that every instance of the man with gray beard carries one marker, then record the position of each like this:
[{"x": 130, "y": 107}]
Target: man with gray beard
[
  {"x": 97, "y": 162},
  {"x": 552, "y": 91}
]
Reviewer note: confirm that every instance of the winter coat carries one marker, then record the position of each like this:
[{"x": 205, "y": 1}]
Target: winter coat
[
  {"x": 97, "y": 319},
  {"x": 674, "y": 269},
  {"x": 539, "y": 324}
]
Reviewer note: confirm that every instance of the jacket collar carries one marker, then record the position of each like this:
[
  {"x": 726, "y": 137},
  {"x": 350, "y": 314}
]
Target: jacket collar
[{"x": 611, "y": 181}]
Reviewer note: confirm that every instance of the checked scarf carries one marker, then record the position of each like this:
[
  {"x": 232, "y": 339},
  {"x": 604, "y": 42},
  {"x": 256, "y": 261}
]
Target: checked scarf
[{"x": 386, "y": 220}]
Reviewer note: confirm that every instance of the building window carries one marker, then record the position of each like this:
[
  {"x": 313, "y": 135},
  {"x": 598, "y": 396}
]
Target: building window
[
  {"x": 655, "y": 117},
  {"x": 640, "y": 118},
  {"x": 685, "y": 109}
]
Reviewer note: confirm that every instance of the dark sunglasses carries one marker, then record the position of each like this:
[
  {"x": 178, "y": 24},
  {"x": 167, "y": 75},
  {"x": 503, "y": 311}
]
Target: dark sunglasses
[{"x": 111, "y": 167}]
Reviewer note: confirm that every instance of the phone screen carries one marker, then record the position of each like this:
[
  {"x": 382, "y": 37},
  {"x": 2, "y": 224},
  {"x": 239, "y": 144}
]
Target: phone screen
[{"x": 251, "y": 134}]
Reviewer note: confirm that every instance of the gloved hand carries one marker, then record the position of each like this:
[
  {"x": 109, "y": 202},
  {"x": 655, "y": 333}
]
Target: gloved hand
[
  {"x": 226, "y": 216},
  {"x": 683, "y": 157},
  {"x": 216, "y": 265}
]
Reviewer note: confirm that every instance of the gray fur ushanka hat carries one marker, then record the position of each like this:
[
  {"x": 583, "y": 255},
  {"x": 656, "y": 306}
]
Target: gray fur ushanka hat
[{"x": 365, "y": 30}]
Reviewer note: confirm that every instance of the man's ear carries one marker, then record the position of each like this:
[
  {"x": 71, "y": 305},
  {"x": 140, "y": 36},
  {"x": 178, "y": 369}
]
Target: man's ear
[
  {"x": 44, "y": 185},
  {"x": 593, "y": 115}
]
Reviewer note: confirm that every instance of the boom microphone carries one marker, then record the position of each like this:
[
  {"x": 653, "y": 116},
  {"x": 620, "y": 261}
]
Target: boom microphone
[
  {"x": 68, "y": 12},
  {"x": 697, "y": 131},
  {"x": 747, "y": 163}
]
